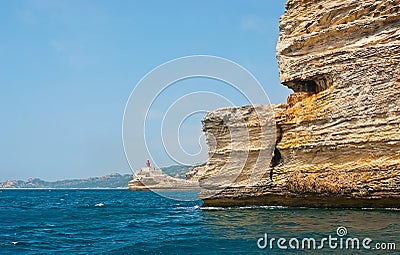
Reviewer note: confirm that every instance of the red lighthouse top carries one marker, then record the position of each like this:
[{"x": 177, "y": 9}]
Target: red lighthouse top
[{"x": 148, "y": 163}]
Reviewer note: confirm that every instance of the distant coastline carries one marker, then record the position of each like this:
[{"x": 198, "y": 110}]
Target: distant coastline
[
  {"x": 111, "y": 181},
  {"x": 107, "y": 182}
]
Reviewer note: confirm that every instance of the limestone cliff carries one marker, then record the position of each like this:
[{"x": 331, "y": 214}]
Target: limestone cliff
[{"x": 338, "y": 138}]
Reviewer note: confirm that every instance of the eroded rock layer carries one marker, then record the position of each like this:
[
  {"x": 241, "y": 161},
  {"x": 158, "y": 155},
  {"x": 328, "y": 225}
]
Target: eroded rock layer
[{"x": 338, "y": 138}]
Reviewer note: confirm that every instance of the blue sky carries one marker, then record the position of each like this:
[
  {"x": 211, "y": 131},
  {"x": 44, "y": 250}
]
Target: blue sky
[{"x": 67, "y": 69}]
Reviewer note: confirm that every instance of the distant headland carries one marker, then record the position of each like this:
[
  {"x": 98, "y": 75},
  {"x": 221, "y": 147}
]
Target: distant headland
[{"x": 151, "y": 178}]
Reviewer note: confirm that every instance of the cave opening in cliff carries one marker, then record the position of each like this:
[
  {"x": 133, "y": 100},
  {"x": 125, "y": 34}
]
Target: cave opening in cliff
[
  {"x": 311, "y": 86},
  {"x": 303, "y": 86}
]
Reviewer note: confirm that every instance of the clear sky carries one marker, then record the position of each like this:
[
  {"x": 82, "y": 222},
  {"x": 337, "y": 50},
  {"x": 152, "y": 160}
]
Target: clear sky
[{"x": 67, "y": 69}]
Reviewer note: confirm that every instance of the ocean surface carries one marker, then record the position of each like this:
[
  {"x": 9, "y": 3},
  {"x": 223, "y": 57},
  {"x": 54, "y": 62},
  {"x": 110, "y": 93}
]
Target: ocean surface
[{"x": 124, "y": 222}]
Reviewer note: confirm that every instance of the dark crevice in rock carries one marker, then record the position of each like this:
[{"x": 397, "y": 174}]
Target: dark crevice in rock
[
  {"x": 276, "y": 156},
  {"x": 276, "y": 159}
]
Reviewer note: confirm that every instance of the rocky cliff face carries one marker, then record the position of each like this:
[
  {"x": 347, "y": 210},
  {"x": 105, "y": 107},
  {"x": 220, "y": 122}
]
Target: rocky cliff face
[
  {"x": 338, "y": 138},
  {"x": 241, "y": 142}
]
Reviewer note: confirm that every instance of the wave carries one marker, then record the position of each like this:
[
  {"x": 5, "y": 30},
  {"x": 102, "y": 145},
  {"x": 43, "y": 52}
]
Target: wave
[
  {"x": 379, "y": 209},
  {"x": 213, "y": 208}
]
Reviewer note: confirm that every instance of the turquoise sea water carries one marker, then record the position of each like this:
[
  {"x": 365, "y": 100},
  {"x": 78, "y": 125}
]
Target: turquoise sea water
[{"x": 123, "y": 222}]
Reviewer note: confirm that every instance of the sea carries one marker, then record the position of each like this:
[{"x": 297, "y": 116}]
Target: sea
[{"x": 125, "y": 222}]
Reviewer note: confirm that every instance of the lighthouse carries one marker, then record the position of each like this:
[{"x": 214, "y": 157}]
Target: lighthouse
[{"x": 148, "y": 163}]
